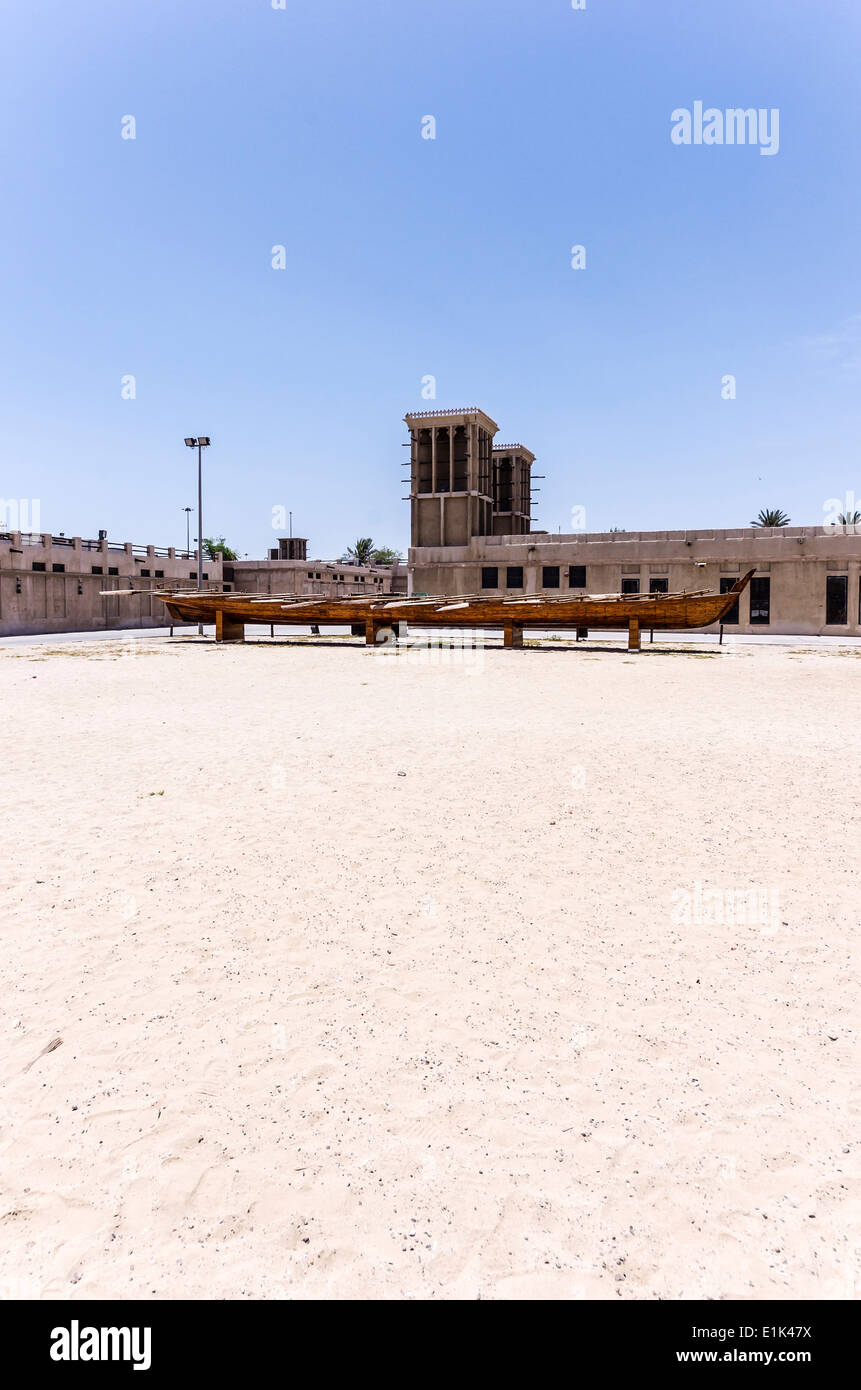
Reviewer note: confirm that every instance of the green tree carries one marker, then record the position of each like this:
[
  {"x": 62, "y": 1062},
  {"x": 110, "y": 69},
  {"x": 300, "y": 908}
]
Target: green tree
[
  {"x": 213, "y": 546},
  {"x": 771, "y": 518},
  {"x": 384, "y": 555},
  {"x": 849, "y": 518}
]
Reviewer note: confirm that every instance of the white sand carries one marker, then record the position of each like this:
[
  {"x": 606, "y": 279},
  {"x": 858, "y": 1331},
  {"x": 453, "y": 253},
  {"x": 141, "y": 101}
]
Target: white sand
[{"x": 329, "y": 1031}]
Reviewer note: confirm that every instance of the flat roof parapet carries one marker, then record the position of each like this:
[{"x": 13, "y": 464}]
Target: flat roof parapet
[
  {"x": 467, "y": 412},
  {"x": 458, "y": 410},
  {"x": 770, "y": 536}
]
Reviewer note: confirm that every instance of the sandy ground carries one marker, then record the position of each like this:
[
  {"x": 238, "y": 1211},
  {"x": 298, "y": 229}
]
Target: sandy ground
[{"x": 523, "y": 975}]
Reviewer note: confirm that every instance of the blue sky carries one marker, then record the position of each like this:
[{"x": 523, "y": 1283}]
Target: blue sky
[{"x": 408, "y": 257}]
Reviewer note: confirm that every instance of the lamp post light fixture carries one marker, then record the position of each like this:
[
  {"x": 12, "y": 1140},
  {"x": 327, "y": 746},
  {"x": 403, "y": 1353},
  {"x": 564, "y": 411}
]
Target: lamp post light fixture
[{"x": 202, "y": 442}]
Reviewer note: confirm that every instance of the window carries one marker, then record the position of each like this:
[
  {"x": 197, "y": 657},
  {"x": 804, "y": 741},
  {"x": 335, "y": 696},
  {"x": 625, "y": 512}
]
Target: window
[
  {"x": 489, "y": 577},
  {"x": 159, "y": 574},
  {"x": 514, "y": 577},
  {"x": 38, "y": 564},
  {"x": 837, "y": 599},
  {"x": 760, "y": 600},
  {"x": 576, "y": 576},
  {"x": 550, "y": 577},
  {"x": 192, "y": 574},
  {"x": 630, "y": 586},
  {"x": 659, "y": 586},
  {"x": 58, "y": 569},
  {"x": 310, "y": 575},
  {"x": 727, "y": 582},
  {"x": 112, "y": 569},
  {"x": 145, "y": 574},
  {"x": 96, "y": 569}
]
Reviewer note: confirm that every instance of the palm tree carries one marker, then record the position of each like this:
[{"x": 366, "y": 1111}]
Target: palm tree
[
  {"x": 362, "y": 553},
  {"x": 771, "y": 518},
  {"x": 849, "y": 518}
]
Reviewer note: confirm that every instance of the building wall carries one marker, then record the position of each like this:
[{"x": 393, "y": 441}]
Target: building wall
[
  {"x": 321, "y": 578},
  {"x": 48, "y": 584},
  {"x": 796, "y": 560}
]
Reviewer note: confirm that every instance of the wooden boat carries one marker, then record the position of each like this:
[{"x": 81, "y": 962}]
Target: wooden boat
[{"x": 377, "y": 616}]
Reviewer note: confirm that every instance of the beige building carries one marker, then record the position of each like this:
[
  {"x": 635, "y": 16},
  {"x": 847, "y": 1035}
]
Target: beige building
[
  {"x": 54, "y": 583},
  {"x": 471, "y": 534},
  {"x": 288, "y": 571}
]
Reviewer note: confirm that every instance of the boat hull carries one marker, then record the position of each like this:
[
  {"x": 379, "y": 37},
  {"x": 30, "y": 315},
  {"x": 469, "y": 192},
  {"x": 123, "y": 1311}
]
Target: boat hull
[{"x": 649, "y": 611}]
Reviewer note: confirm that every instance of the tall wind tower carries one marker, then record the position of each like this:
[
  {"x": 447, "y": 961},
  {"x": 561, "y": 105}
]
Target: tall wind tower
[{"x": 451, "y": 475}]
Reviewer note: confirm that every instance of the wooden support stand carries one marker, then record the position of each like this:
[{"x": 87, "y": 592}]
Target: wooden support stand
[
  {"x": 228, "y": 629},
  {"x": 633, "y": 635},
  {"x": 370, "y": 632},
  {"x": 512, "y": 636}
]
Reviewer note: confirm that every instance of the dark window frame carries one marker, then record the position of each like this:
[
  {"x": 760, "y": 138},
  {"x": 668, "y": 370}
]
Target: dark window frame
[
  {"x": 512, "y": 582},
  {"x": 554, "y": 581},
  {"x": 486, "y": 572},
  {"x": 727, "y": 582},
  {"x": 574, "y": 571},
  {"x": 760, "y": 600},
  {"x": 837, "y": 583}
]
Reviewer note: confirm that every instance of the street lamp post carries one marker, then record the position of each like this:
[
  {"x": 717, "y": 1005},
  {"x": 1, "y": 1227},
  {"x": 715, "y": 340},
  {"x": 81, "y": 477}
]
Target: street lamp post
[
  {"x": 188, "y": 511},
  {"x": 202, "y": 442}
]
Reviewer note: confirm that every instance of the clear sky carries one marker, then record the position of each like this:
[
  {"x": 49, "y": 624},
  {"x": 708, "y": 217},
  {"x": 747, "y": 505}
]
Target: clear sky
[{"x": 407, "y": 257}]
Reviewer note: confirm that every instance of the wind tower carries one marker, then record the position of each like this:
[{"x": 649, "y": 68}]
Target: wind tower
[
  {"x": 451, "y": 475},
  {"x": 512, "y": 489}
]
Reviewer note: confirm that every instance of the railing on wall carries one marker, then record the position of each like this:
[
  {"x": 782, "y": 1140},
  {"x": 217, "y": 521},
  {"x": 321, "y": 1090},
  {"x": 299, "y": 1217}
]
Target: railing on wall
[{"x": 161, "y": 552}]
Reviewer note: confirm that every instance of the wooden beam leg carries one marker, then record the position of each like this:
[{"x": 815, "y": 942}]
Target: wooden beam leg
[
  {"x": 512, "y": 636},
  {"x": 228, "y": 629},
  {"x": 633, "y": 635},
  {"x": 370, "y": 632}
]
